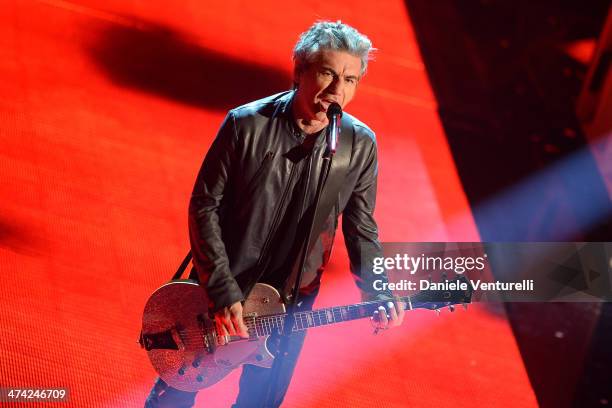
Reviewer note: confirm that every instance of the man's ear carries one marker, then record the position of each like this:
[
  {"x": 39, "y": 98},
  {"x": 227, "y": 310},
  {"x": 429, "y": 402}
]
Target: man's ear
[{"x": 296, "y": 76}]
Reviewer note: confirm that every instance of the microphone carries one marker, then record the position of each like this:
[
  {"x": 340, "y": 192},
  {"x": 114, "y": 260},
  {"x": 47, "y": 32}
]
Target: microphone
[{"x": 334, "y": 114}]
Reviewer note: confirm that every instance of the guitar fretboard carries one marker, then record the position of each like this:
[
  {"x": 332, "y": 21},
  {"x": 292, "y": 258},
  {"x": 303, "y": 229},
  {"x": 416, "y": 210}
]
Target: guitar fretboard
[
  {"x": 266, "y": 325},
  {"x": 432, "y": 300}
]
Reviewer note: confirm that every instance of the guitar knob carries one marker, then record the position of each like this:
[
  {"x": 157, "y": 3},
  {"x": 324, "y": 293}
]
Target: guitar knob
[
  {"x": 199, "y": 378},
  {"x": 196, "y": 363},
  {"x": 181, "y": 371}
]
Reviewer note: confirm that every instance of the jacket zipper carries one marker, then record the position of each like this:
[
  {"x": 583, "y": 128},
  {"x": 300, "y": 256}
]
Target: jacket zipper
[
  {"x": 264, "y": 250},
  {"x": 264, "y": 165}
]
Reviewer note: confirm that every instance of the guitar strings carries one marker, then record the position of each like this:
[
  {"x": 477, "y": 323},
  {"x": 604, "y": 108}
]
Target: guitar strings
[{"x": 265, "y": 325}]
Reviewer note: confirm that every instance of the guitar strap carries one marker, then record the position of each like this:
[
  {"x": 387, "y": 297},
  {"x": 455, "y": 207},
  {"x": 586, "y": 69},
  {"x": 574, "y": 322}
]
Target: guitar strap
[{"x": 329, "y": 195}]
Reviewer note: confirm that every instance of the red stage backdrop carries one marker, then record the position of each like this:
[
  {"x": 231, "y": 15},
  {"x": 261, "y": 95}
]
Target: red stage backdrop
[{"x": 106, "y": 111}]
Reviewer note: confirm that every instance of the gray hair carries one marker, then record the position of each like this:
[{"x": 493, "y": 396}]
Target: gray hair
[{"x": 327, "y": 35}]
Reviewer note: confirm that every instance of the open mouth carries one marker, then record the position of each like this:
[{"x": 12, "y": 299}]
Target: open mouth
[{"x": 324, "y": 104}]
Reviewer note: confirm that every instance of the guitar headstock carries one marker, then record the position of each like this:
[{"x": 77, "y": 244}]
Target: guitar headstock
[{"x": 445, "y": 293}]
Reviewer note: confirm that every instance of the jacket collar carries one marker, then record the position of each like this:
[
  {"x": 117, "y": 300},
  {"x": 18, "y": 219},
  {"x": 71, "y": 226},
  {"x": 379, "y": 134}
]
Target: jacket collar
[{"x": 285, "y": 103}]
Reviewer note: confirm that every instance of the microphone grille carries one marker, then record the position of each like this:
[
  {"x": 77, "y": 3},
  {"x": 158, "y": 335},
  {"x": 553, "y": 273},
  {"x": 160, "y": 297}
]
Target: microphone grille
[{"x": 334, "y": 109}]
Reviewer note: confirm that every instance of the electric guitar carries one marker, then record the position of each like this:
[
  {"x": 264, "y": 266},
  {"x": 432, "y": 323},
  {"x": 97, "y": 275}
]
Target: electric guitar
[{"x": 182, "y": 342}]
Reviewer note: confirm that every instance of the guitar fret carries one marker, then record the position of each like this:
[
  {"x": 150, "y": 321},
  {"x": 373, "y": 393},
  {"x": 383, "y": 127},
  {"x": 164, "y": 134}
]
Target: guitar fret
[
  {"x": 278, "y": 324},
  {"x": 255, "y": 326},
  {"x": 309, "y": 321},
  {"x": 298, "y": 322},
  {"x": 351, "y": 312}
]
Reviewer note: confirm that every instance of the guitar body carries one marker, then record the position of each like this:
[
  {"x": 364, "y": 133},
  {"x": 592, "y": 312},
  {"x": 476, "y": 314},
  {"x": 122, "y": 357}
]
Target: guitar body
[{"x": 181, "y": 342}]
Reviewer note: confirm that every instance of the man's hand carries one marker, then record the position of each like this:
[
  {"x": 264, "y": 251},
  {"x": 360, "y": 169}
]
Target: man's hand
[
  {"x": 229, "y": 321},
  {"x": 391, "y": 316}
]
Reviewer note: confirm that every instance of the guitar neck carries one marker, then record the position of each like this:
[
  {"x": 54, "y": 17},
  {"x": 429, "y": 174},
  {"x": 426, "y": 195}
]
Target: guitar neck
[
  {"x": 459, "y": 292},
  {"x": 338, "y": 314},
  {"x": 266, "y": 325}
]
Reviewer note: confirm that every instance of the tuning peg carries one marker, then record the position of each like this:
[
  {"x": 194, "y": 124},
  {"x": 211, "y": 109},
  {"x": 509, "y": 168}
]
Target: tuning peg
[
  {"x": 451, "y": 308},
  {"x": 465, "y": 305},
  {"x": 438, "y": 312}
]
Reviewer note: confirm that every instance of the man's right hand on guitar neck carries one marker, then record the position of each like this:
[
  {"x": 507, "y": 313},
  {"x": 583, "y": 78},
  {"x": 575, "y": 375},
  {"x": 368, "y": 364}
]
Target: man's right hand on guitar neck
[{"x": 229, "y": 321}]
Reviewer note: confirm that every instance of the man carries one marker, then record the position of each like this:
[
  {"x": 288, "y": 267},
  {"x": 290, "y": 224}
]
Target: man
[{"x": 255, "y": 191}]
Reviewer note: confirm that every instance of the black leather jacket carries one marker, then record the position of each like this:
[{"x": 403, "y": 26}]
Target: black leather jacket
[{"x": 241, "y": 192}]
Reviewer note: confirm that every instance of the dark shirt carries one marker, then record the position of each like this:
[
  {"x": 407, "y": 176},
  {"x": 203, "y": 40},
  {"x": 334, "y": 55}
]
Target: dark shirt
[{"x": 281, "y": 270}]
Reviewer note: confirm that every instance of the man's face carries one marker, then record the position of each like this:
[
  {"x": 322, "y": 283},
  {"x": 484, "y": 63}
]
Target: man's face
[{"x": 332, "y": 77}]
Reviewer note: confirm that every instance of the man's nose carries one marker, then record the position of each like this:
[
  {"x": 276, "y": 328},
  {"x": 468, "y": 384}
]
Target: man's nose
[{"x": 336, "y": 86}]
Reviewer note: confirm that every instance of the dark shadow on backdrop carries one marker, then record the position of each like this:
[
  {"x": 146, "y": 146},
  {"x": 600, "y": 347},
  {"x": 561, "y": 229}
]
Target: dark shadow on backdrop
[
  {"x": 19, "y": 238},
  {"x": 507, "y": 91},
  {"x": 157, "y": 60}
]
